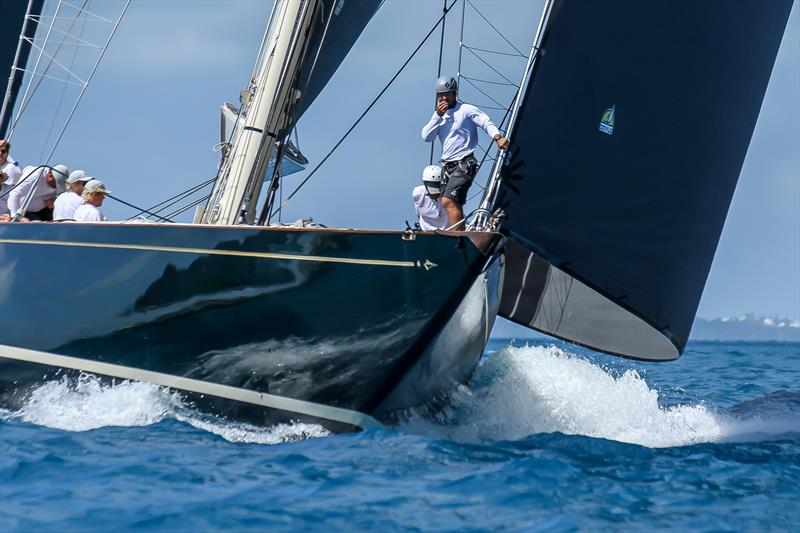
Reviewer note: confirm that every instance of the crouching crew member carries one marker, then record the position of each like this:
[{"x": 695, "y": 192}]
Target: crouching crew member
[
  {"x": 456, "y": 125},
  {"x": 94, "y": 192},
  {"x": 67, "y": 202},
  {"x": 427, "y": 202},
  {"x": 44, "y": 182}
]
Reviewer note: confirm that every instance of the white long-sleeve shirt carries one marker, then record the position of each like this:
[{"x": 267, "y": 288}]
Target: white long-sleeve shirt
[
  {"x": 4, "y": 199},
  {"x": 66, "y": 204},
  {"x": 38, "y": 179},
  {"x": 88, "y": 213},
  {"x": 430, "y": 212},
  {"x": 457, "y": 130},
  {"x": 11, "y": 168}
]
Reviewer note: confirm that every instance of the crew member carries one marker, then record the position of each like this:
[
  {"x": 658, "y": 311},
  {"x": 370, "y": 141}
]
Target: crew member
[
  {"x": 5, "y": 214},
  {"x": 67, "y": 202},
  {"x": 94, "y": 192},
  {"x": 456, "y": 124},
  {"x": 429, "y": 208},
  {"x": 45, "y": 185},
  {"x": 7, "y": 163}
]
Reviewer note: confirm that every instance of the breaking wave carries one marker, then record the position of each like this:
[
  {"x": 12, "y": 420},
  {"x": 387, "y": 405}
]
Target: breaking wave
[
  {"x": 517, "y": 392},
  {"x": 88, "y": 403},
  {"x": 525, "y": 390}
]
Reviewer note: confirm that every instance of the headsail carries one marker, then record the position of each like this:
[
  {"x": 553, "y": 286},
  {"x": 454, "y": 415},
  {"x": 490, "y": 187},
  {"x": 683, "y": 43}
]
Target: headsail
[
  {"x": 625, "y": 158},
  {"x": 14, "y": 46},
  {"x": 337, "y": 26}
]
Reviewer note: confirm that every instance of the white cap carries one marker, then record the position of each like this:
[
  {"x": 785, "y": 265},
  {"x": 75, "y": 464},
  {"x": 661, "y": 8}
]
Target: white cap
[
  {"x": 94, "y": 186},
  {"x": 61, "y": 169},
  {"x": 77, "y": 175}
]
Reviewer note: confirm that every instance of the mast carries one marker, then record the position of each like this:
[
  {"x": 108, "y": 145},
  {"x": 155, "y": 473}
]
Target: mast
[
  {"x": 266, "y": 110},
  {"x": 18, "y": 65}
]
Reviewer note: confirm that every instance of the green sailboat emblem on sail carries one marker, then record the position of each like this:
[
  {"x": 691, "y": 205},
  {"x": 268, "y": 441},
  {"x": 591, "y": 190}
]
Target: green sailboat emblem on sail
[{"x": 607, "y": 122}]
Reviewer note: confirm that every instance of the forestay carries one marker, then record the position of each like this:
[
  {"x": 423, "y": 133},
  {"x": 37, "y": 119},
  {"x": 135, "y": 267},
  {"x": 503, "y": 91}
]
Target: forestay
[{"x": 626, "y": 154}]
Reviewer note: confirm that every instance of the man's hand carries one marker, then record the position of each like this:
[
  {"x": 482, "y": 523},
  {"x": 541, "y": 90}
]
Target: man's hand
[
  {"x": 442, "y": 107},
  {"x": 502, "y": 142}
]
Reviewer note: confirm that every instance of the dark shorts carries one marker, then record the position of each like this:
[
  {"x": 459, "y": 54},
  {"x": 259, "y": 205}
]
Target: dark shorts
[
  {"x": 45, "y": 215},
  {"x": 459, "y": 176}
]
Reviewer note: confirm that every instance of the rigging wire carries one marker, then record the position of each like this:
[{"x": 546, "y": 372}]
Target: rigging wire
[
  {"x": 483, "y": 92},
  {"x": 43, "y": 75},
  {"x": 367, "y": 110},
  {"x": 189, "y": 206},
  {"x": 495, "y": 52},
  {"x": 63, "y": 87},
  {"x": 490, "y": 66},
  {"x": 89, "y": 79},
  {"x": 439, "y": 69},
  {"x": 495, "y": 29},
  {"x": 169, "y": 202},
  {"x": 489, "y": 81},
  {"x": 137, "y": 208}
]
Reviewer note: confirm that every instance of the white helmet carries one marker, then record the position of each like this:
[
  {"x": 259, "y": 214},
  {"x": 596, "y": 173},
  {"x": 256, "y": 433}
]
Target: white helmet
[{"x": 432, "y": 179}]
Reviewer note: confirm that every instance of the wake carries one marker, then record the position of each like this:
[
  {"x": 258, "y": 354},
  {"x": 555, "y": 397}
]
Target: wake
[
  {"x": 518, "y": 392},
  {"x": 526, "y": 390},
  {"x": 87, "y": 403}
]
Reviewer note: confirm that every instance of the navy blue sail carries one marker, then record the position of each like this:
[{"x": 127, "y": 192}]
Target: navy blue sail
[
  {"x": 14, "y": 14},
  {"x": 625, "y": 157},
  {"x": 336, "y": 27}
]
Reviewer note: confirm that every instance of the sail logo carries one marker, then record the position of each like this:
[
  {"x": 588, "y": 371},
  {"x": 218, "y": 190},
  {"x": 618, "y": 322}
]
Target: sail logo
[{"x": 607, "y": 122}]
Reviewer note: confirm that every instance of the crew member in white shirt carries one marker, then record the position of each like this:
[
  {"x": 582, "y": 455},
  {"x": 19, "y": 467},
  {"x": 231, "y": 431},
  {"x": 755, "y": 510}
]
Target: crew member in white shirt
[
  {"x": 93, "y": 195},
  {"x": 5, "y": 214},
  {"x": 456, "y": 125},
  {"x": 429, "y": 208},
  {"x": 8, "y": 165},
  {"x": 67, "y": 202},
  {"x": 43, "y": 181}
]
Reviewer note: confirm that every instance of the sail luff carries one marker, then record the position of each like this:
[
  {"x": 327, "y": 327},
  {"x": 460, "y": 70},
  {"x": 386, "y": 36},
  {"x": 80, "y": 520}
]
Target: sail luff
[{"x": 490, "y": 197}]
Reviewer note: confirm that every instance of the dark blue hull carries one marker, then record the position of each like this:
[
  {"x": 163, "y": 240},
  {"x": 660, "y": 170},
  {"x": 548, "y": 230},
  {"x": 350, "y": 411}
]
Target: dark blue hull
[{"x": 336, "y": 318}]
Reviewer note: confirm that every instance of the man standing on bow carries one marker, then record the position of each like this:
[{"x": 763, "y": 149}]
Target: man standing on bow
[{"x": 456, "y": 124}]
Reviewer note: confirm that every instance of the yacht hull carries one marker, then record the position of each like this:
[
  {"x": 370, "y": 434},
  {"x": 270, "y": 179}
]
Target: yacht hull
[{"x": 266, "y": 324}]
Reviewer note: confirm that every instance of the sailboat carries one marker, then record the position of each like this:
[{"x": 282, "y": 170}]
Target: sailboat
[{"x": 598, "y": 227}]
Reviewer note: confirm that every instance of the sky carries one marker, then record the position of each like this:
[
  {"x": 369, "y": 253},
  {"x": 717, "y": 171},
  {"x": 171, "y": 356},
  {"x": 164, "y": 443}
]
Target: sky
[{"x": 149, "y": 121}]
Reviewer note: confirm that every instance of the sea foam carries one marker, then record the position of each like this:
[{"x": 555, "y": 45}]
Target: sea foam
[
  {"x": 525, "y": 390},
  {"x": 517, "y": 392},
  {"x": 86, "y": 403}
]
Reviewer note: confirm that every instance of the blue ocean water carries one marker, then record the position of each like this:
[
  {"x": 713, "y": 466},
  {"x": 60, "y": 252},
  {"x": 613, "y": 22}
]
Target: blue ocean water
[{"x": 546, "y": 437}]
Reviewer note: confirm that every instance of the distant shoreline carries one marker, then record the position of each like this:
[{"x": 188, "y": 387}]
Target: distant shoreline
[{"x": 746, "y": 328}]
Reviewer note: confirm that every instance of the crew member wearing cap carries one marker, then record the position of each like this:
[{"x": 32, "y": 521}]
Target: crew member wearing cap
[
  {"x": 67, "y": 202},
  {"x": 430, "y": 212},
  {"x": 456, "y": 125},
  {"x": 7, "y": 163},
  {"x": 94, "y": 192},
  {"x": 45, "y": 187}
]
